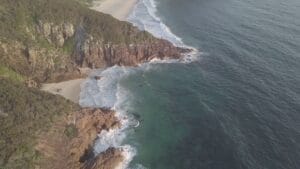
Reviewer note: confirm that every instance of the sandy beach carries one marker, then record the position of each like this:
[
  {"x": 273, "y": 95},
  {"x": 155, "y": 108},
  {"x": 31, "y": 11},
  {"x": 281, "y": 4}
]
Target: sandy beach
[
  {"x": 119, "y": 9},
  {"x": 69, "y": 89}
]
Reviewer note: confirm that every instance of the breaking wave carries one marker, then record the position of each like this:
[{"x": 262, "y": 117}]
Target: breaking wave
[
  {"x": 107, "y": 92},
  {"x": 144, "y": 16}
]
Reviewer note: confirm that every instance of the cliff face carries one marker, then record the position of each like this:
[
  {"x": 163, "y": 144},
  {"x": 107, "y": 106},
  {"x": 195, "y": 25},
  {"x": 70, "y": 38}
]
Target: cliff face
[
  {"x": 94, "y": 54},
  {"x": 51, "y": 40},
  {"x": 70, "y": 48},
  {"x": 56, "y": 34}
]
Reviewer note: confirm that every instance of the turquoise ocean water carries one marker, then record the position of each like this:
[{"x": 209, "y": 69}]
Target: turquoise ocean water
[{"x": 235, "y": 106}]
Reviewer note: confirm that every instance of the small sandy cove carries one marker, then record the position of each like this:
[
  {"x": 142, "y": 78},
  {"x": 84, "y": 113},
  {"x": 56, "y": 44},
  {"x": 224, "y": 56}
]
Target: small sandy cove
[
  {"x": 119, "y": 9},
  {"x": 69, "y": 89}
]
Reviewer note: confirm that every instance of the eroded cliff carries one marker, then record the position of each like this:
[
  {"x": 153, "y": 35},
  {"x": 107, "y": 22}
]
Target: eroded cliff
[{"x": 54, "y": 39}]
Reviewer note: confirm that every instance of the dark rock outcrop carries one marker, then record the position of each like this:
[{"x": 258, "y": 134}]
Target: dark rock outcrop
[
  {"x": 94, "y": 54},
  {"x": 109, "y": 159}
]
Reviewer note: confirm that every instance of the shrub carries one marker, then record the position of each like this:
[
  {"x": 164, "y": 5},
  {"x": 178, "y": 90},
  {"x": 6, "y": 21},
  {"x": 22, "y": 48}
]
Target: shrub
[{"x": 71, "y": 131}]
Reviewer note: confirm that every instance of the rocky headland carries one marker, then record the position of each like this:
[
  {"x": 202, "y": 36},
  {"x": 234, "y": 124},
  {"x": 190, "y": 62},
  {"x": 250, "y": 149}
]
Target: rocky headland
[
  {"x": 52, "y": 41},
  {"x": 55, "y": 46}
]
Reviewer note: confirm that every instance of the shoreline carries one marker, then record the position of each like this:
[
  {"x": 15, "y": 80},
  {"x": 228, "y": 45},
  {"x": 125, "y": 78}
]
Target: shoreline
[
  {"x": 69, "y": 89},
  {"x": 119, "y": 9}
]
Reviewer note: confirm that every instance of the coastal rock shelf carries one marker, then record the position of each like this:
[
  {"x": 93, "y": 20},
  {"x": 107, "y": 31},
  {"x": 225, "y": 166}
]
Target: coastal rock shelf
[{"x": 69, "y": 142}]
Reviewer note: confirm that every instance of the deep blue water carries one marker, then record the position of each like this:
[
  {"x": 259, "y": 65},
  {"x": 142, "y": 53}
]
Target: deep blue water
[{"x": 238, "y": 106}]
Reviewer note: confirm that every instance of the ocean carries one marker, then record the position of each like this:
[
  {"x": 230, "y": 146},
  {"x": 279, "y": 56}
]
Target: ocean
[{"x": 232, "y": 104}]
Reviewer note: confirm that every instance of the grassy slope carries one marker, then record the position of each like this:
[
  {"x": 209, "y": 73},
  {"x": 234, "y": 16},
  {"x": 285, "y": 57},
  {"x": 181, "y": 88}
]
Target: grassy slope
[
  {"x": 6, "y": 72},
  {"x": 23, "y": 113},
  {"x": 18, "y": 18}
]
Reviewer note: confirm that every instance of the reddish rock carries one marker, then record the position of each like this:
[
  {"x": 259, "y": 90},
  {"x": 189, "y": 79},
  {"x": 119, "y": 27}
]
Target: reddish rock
[
  {"x": 96, "y": 55},
  {"x": 61, "y": 151},
  {"x": 109, "y": 159}
]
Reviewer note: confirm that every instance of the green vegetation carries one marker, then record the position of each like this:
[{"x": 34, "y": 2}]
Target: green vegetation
[
  {"x": 71, "y": 131},
  {"x": 69, "y": 45},
  {"x": 24, "y": 112},
  {"x": 19, "y": 18},
  {"x": 86, "y": 2},
  {"x": 6, "y": 72}
]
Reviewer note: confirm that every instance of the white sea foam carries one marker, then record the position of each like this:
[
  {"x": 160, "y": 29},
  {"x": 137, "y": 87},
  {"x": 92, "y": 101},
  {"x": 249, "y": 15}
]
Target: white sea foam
[
  {"x": 128, "y": 153},
  {"x": 108, "y": 92},
  {"x": 145, "y": 17},
  {"x": 103, "y": 92}
]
